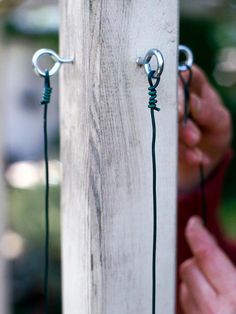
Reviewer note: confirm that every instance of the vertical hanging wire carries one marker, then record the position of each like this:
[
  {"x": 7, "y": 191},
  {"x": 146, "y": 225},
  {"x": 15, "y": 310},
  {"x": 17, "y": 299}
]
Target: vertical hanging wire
[
  {"x": 152, "y": 105},
  {"x": 186, "y": 86},
  {"x": 45, "y": 101},
  {"x": 47, "y": 226},
  {"x": 58, "y": 61},
  {"x": 154, "y": 212}
]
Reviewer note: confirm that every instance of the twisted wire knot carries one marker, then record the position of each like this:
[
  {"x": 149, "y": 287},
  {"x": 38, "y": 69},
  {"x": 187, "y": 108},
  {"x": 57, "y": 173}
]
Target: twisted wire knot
[
  {"x": 47, "y": 91},
  {"x": 152, "y": 91},
  {"x": 152, "y": 99}
]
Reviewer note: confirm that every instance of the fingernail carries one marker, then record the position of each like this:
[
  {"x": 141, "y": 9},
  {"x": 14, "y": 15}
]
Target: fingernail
[
  {"x": 194, "y": 221},
  {"x": 193, "y": 224},
  {"x": 196, "y": 233}
]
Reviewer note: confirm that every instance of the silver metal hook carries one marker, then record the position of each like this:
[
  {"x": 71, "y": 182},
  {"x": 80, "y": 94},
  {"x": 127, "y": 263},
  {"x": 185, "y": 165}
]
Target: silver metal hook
[
  {"x": 58, "y": 61},
  {"x": 146, "y": 62},
  {"x": 184, "y": 66}
]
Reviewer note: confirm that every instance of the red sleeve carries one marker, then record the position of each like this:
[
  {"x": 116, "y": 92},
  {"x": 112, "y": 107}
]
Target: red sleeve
[{"x": 190, "y": 204}]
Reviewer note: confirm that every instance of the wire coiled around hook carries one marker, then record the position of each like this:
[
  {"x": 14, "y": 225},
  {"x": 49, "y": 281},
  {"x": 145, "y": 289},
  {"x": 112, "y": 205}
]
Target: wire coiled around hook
[
  {"x": 47, "y": 91},
  {"x": 152, "y": 91},
  {"x": 46, "y": 98},
  {"x": 152, "y": 99}
]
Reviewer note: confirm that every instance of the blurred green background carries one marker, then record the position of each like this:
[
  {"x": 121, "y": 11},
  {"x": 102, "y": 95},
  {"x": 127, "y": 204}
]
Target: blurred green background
[{"x": 208, "y": 28}]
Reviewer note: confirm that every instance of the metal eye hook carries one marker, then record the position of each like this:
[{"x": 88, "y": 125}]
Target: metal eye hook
[
  {"x": 146, "y": 62},
  {"x": 58, "y": 61},
  {"x": 184, "y": 66}
]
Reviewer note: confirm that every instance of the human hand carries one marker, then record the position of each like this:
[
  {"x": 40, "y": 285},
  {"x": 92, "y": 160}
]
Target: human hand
[
  {"x": 209, "y": 278},
  {"x": 206, "y": 136}
]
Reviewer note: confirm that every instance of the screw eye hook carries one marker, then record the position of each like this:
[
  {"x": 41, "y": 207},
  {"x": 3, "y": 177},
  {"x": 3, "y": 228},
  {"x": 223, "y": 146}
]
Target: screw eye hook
[
  {"x": 56, "y": 58},
  {"x": 188, "y": 62},
  {"x": 146, "y": 62}
]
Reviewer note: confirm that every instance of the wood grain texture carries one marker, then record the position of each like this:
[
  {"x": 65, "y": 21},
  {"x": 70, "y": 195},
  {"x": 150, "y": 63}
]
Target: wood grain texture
[{"x": 106, "y": 154}]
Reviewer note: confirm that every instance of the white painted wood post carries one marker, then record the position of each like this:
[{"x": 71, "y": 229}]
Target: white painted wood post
[{"x": 106, "y": 155}]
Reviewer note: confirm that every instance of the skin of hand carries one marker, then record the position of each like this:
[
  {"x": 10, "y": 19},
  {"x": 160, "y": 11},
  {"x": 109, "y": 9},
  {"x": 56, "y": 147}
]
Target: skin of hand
[
  {"x": 209, "y": 278},
  {"x": 207, "y": 134}
]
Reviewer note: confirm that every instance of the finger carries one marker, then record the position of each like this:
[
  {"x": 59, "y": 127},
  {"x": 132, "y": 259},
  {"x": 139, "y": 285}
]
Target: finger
[
  {"x": 198, "y": 286},
  {"x": 215, "y": 265},
  {"x": 189, "y": 133},
  {"x": 209, "y": 114},
  {"x": 192, "y": 156},
  {"x": 201, "y": 86},
  {"x": 198, "y": 80},
  {"x": 180, "y": 102},
  {"x": 186, "y": 301}
]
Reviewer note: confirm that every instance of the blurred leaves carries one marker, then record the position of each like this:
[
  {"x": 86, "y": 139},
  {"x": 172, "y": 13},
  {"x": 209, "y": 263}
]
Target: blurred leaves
[
  {"x": 228, "y": 217},
  {"x": 224, "y": 34},
  {"x": 26, "y": 210}
]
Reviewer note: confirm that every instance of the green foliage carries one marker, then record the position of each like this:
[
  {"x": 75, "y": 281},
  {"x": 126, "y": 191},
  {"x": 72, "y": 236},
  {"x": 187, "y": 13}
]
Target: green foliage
[
  {"x": 26, "y": 211},
  {"x": 228, "y": 217}
]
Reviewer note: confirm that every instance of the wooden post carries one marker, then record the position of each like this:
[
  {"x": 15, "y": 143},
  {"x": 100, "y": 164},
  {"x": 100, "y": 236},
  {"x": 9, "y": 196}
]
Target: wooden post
[{"x": 106, "y": 155}]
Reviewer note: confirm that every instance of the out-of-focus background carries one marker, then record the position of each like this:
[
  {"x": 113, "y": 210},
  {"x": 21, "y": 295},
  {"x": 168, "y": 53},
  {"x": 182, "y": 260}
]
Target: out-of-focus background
[
  {"x": 25, "y": 27},
  {"x": 206, "y": 26}
]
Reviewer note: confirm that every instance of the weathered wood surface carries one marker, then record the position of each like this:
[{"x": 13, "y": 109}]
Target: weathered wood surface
[{"x": 106, "y": 155}]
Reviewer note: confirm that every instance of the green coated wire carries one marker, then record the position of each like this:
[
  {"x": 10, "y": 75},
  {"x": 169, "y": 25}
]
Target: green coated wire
[
  {"x": 47, "y": 226},
  {"x": 152, "y": 105},
  {"x": 45, "y": 101},
  {"x": 154, "y": 212}
]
